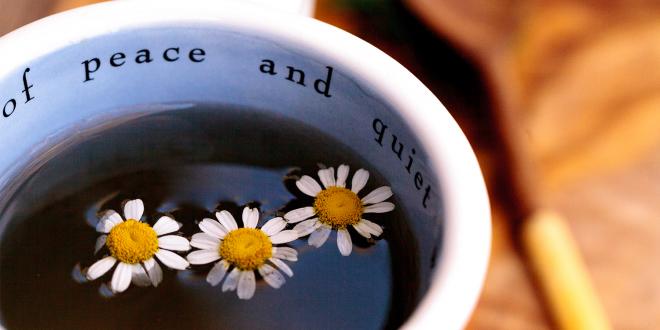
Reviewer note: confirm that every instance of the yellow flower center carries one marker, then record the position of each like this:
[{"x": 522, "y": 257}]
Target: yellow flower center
[
  {"x": 132, "y": 241},
  {"x": 246, "y": 248},
  {"x": 338, "y": 207}
]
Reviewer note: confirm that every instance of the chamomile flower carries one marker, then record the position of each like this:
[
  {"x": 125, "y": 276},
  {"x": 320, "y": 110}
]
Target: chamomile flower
[
  {"x": 336, "y": 207},
  {"x": 133, "y": 244},
  {"x": 247, "y": 249}
]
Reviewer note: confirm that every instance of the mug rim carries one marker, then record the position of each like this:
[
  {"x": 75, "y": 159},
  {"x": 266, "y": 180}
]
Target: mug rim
[{"x": 457, "y": 280}]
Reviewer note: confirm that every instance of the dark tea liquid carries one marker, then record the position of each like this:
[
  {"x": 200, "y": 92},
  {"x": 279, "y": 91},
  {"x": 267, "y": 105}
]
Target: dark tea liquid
[{"x": 189, "y": 163}]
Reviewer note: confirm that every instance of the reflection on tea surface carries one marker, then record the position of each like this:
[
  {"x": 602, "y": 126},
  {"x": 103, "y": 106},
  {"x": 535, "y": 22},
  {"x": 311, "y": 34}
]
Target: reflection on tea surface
[{"x": 189, "y": 163}]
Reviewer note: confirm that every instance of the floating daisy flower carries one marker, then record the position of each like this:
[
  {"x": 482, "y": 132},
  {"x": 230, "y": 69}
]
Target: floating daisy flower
[
  {"x": 336, "y": 207},
  {"x": 133, "y": 244},
  {"x": 247, "y": 249}
]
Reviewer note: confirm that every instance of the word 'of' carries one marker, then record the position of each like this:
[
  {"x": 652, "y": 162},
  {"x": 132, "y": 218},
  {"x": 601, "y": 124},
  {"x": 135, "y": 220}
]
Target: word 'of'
[{"x": 10, "y": 106}]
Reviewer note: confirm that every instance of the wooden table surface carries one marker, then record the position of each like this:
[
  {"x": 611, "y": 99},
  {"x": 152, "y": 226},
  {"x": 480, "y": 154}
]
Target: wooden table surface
[{"x": 598, "y": 156}]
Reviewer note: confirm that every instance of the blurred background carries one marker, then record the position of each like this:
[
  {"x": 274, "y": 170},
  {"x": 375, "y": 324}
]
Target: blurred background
[{"x": 560, "y": 97}]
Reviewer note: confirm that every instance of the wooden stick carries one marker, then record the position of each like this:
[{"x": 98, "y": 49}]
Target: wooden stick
[{"x": 555, "y": 259}]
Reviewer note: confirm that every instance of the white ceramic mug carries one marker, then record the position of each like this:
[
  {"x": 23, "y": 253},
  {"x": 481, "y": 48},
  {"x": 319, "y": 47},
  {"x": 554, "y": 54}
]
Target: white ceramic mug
[{"x": 65, "y": 73}]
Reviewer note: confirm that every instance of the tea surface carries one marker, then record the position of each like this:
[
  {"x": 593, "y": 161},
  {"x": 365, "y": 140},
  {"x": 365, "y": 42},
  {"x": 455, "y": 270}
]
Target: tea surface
[{"x": 189, "y": 163}]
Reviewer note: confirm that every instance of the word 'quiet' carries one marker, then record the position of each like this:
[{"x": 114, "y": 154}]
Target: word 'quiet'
[{"x": 398, "y": 149}]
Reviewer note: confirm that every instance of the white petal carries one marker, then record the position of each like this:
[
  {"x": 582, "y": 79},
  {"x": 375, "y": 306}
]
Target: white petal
[
  {"x": 256, "y": 215},
  {"x": 108, "y": 220},
  {"x": 281, "y": 265},
  {"x": 359, "y": 180},
  {"x": 300, "y": 214},
  {"x": 246, "y": 285},
  {"x": 134, "y": 209},
  {"x": 344, "y": 242},
  {"x": 213, "y": 228},
  {"x": 205, "y": 241},
  {"x": 307, "y": 227},
  {"x": 327, "y": 177},
  {"x": 250, "y": 217},
  {"x": 227, "y": 220},
  {"x": 285, "y": 236},
  {"x": 111, "y": 215},
  {"x": 100, "y": 267},
  {"x": 100, "y": 242},
  {"x": 121, "y": 279},
  {"x": 272, "y": 276},
  {"x": 217, "y": 273},
  {"x": 201, "y": 257},
  {"x": 165, "y": 225},
  {"x": 174, "y": 243},
  {"x": 171, "y": 259},
  {"x": 154, "y": 271},
  {"x": 232, "y": 280},
  {"x": 139, "y": 276},
  {"x": 379, "y": 208},
  {"x": 377, "y": 195},
  {"x": 104, "y": 226},
  {"x": 319, "y": 236},
  {"x": 374, "y": 229},
  {"x": 342, "y": 174},
  {"x": 286, "y": 253},
  {"x": 362, "y": 229},
  {"x": 273, "y": 226},
  {"x": 308, "y": 186}
]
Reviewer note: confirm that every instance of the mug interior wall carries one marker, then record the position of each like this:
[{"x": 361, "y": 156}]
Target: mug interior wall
[{"x": 84, "y": 85}]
